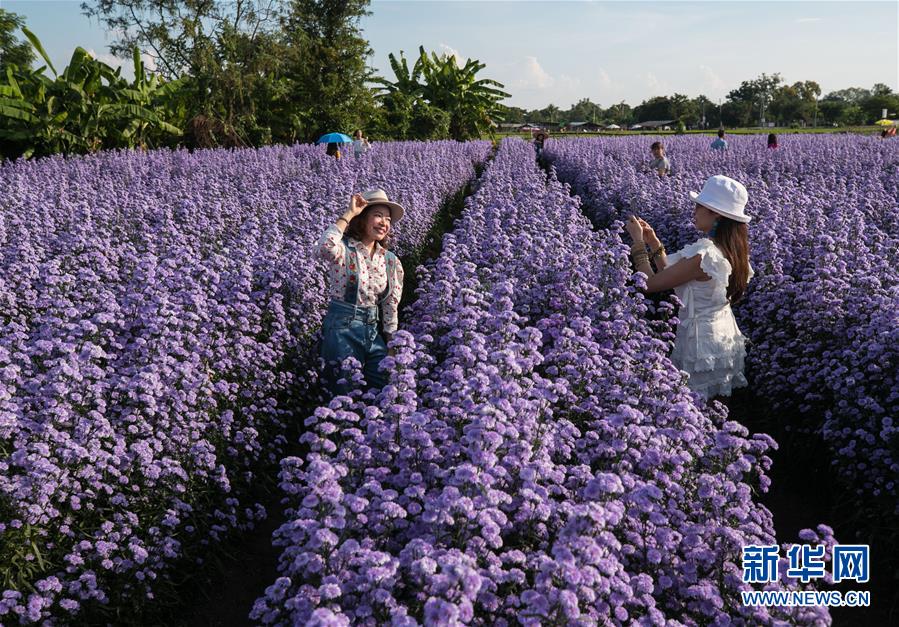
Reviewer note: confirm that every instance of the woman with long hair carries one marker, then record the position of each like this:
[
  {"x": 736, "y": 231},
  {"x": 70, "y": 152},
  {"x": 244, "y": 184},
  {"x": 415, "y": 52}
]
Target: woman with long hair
[
  {"x": 708, "y": 276},
  {"x": 366, "y": 283}
]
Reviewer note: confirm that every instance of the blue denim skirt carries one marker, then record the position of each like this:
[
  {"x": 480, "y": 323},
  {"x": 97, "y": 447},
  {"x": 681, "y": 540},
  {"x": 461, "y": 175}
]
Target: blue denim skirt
[{"x": 352, "y": 331}]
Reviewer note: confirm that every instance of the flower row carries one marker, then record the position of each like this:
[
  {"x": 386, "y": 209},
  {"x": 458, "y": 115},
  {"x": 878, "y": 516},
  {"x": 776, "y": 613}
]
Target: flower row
[
  {"x": 535, "y": 457},
  {"x": 157, "y": 315},
  {"x": 822, "y": 312}
]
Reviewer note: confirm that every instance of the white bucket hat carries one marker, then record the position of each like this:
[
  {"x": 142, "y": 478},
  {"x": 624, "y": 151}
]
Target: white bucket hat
[
  {"x": 725, "y": 196},
  {"x": 379, "y": 197}
]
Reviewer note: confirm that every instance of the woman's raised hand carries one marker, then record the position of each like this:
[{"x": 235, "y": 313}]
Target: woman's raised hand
[
  {"x": 357, "y": 204},
  {"x": 635, "y": 229},
  {"x": 649, "y": 234}
]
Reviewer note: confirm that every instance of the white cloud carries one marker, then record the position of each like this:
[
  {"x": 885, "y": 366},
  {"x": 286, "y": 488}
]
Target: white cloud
[
  {"x": 533, "y": 76},
  {"x": 452, "y": 52},
  {"x": 806, "y": 20},
  {"x": 711, "y": 84},
  {"x": 604, "y": 81},
  {"x": 109, "y": 59},
  {"x": 534, "y": 87},
  {"x": 568, "y": 82},
  {"x": 149, "y": 62},
  {"x": 652, "y": 82}
]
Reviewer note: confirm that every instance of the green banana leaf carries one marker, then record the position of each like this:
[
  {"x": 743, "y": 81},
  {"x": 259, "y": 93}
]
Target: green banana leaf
[
  {"x": 16, "y": 113},
  {"x": 37, "y": 46}
]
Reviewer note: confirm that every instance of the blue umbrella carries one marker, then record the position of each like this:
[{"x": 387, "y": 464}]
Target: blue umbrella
[{"x": 334, "y": 138}]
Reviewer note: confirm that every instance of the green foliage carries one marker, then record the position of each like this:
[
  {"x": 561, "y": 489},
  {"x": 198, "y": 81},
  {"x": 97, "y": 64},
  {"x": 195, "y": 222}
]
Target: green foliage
[
  {"x": 680, "y": 108},
  {"x": 12, "y": 51},
  {"x": 621, "y": 114},
  {"x": 406, "y": 81},
  {"x": 229, "y": 56},
  {"x": 428, "y": 122},
  {"x": 86, "y": 108},
  {"x": 253, "y": 72},
  {"x": 325, "y": 66},
  {"x": 471, "y": 103},
  {"x": 584, "y": 111},
  {"x": 684, "y": 110},
  {"x": 856, "y": 105},
  {"x": 394, "y": 116},
  {"x": 257, "y": 71},
  {"x": 438, "y": 83},
  {"x": 657, "y": 108},
  {"x": 796, "y": 102},
  {"x": 750, "y": 100},
  {"x": 852, "y": 115},
  {"x": 514, "y": 115},
  {"x": 705, "y": 108},
  {"x": 182, "y": 36},
  {"x": 800, "y": 104},
  {"x": 878, "y": 101}
]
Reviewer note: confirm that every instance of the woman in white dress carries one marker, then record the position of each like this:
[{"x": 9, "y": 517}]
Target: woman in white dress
[
  {"x": 360, "y": 144},
  {"x": 708, "y": 276}
]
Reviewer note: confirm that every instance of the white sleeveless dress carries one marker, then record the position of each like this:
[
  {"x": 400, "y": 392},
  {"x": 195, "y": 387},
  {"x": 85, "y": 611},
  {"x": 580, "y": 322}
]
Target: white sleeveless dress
[{"x": 708, "y": 346}]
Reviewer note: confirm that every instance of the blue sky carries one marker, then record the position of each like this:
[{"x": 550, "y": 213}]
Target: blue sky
[{"x": 558, "y": 52}]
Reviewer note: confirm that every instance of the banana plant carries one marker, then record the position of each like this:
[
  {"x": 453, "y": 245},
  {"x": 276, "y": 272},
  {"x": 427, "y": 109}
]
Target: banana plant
[
  {"x": 86, "y": 108},
  {"x": 406, "y": 82},
  {"x": 138, "y": 104},
  {"x": 473, "y": 104}
]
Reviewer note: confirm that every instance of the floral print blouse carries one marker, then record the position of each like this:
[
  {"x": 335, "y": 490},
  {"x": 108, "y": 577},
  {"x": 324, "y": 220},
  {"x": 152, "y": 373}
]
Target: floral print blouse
[{"x": 371, "y": 270}]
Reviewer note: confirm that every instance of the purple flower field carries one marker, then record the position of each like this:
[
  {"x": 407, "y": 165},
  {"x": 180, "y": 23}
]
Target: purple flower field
[
  {"x": 157, "y": 314},
  {"x": 822, "y": 313},
  {"x": 535, "y": 458}
]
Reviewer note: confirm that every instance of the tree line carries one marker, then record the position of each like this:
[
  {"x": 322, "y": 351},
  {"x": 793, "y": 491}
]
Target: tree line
[
  {"x": 762, "y": 100},
  {"x": 230, "y": 73},
  {"x": 234, "y": 73}
]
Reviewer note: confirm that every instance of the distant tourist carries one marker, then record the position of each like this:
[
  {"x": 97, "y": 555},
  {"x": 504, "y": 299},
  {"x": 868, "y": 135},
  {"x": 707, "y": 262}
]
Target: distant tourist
[
  {"x": 772, "y": 140},
  {"x": 708, "y": 276},
  {"x": 720, "y": 143},
  {"x": 333, "y": 150},
  {"x": 539, "y": 138},
  {"x": 659, "y": 162},
  {"x": 360, "y": 144}
]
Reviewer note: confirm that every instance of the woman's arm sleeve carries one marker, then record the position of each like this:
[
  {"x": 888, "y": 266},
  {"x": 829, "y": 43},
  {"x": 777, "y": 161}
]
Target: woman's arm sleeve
[
  {"x": 330, "y": 246},
  {"x": 391, "y": 304}
]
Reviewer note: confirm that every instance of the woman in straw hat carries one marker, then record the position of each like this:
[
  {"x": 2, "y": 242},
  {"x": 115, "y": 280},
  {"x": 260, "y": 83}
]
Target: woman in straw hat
[
  {"x": 366, "y": 283},
  {"x": 708, "y": 276}
]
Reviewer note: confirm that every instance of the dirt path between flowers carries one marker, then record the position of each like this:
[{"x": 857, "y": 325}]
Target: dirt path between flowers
[
  {"x": 223, "y": 591},
  {"x": 226, "y": 596},
  {"x": 800, "y": 497}
]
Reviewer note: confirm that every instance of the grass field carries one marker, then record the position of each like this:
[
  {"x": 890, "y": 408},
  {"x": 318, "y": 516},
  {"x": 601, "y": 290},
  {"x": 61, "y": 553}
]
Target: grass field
[{"x": 863, "y": 130}]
